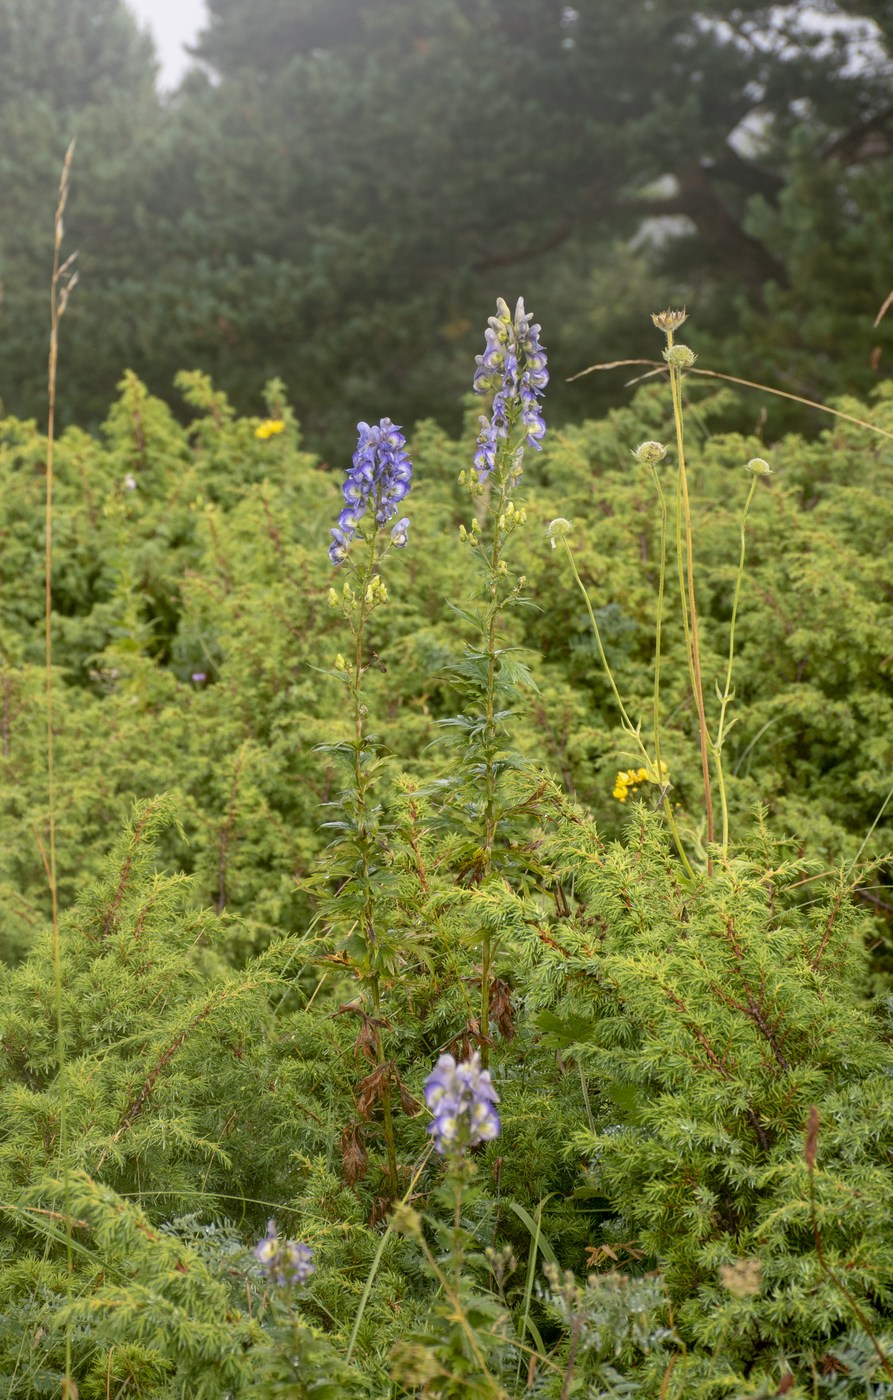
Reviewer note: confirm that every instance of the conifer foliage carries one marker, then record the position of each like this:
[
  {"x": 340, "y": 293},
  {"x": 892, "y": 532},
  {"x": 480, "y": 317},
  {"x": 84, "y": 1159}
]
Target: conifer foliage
[{"x": 411, "y": 1039}]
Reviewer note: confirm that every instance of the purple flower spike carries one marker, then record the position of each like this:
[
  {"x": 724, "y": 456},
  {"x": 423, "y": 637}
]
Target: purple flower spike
[
  {"x": 462, "y": 1101},
  {"x": 285, "y": 1262},
  {"x": 514, "y": 364},
  {"x": 378, "y": 481}
]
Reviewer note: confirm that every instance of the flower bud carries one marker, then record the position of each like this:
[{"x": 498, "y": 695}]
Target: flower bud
[
  {"x": 334, "y": 600},
  {"x": 558, "y": 529},
  {"x": 759, "y": 467},
  {"x": 463, "y": 533},
  {"x": 340, "y": 663},
  {"x": 650, "y": 453},
  {"x": 680, "y": 357},
  {"x": 406, "y": 1221}
]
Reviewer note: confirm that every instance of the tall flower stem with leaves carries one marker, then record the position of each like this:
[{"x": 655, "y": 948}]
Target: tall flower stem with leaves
[
  {"x": 513, "y": 368},
  {"x": 377, "y": 483}
]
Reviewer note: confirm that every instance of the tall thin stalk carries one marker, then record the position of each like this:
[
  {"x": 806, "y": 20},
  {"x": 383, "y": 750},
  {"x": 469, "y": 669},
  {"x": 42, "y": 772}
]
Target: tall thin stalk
[
  {"x": 62, "y": 284},
  {"x": 758, "y": 468},
  {"x": 687, "y": 571},
  {"x": 633, "y": 730},
  {"x": 361, "y": 784}
]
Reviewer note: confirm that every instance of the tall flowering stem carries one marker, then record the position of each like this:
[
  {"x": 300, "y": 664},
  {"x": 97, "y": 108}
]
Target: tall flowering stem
[
  {"x": 376, "y": 485},
  {"x": 513, "y": 369},
  {"x": 679, "y": 358}
]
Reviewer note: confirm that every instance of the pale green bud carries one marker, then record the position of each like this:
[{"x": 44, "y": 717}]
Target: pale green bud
[
  {"x": 462, "y": 477},
  {"x": 502, "y": 568},
  {"x": 340, "y": 663},
  {"x": 406, "y": 1221},
  {"x": 759, "y": 467},
  {"x": 650, "y": 453},
  {"x": 334, "y": 600},
  {"x": 680, "y": 357},
  {"x": 463, "y": 533},
  {"x": 558, "y": 529}
]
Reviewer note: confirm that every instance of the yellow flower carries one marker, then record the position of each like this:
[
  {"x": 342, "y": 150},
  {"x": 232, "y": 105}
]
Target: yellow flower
[
  {"x": 632, "y": 777},
  {"x": 268, "y": 427}
]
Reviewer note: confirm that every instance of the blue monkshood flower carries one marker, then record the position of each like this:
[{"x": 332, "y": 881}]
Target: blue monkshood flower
[
  {"x": 462, "y": 1100},
  {"x": 378, "y": 480},
  {"x": 285, "y": 1262},
  {"x": 400, "y": 533},
  {"x": 514, "y": 364}
]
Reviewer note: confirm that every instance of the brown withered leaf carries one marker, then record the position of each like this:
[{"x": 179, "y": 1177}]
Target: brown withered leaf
[
  {"x": 410, "y": 1105},
  {"x": 379, "y": 1211},
  {"x": 354, "y": 1157},
  {"x": 365, "y": 1043},
  {"x": 812, "y": 1137},
  {"x": 596, "y": 1254},
  {"x": 370, "y": 1090},
  {"x": 501, "y": 1010}
]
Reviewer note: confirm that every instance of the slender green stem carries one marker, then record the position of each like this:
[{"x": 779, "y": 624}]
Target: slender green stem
[
  {"x": 361, "y": 787},
  {"x": 380, "y": 1251},
  {"x": 633, "y": 730},
  {"x": 659, "y": 623},
  {"x": 692, "y": 629},
  {"x": 727, "y": 695},
  {"x": 881, "y": 810},
  {"x": 490, "y": 821},
  {"x": 458, "y": 1312}
]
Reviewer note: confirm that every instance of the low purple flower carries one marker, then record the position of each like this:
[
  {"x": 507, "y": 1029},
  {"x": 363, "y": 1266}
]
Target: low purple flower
[
  {"x": 462, "y": 1101},
  {"x": 514, "y": 364},
  {"x": 378, "y": 481},
  {"x": 285, "y": 1262}
]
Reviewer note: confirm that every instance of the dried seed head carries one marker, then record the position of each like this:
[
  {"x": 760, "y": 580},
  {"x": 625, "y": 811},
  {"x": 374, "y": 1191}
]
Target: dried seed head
[{"x": 668, "y": 320}]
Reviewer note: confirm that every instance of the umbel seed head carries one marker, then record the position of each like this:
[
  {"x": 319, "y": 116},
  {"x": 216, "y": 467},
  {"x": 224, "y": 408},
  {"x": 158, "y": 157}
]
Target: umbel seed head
[{"x": 668, "y": 320}]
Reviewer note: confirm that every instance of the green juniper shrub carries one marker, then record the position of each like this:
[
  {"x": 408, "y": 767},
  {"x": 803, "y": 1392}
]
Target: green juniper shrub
[{"x": 224, "y": 1175}]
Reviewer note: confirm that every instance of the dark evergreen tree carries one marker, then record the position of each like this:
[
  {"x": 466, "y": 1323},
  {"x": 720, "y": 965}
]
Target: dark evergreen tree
[{"x": 72, "y": 69}]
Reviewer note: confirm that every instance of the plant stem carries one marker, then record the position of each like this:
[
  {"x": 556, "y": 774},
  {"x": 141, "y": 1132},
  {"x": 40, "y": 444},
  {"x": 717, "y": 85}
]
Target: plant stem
[
  {"x": 727, "y": 695},
  {"x": 692, "y": 624},
  {"x": 489, "y": 841},
  {"x": 631, "y": 729},
  {"x": 368, "y": 915}
]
